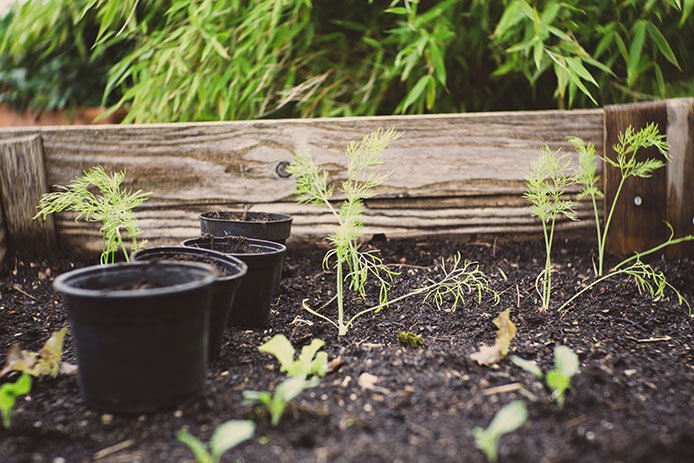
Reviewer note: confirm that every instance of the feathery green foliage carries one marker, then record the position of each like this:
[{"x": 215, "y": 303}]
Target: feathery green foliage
[
  {"x": 225, "y": 437},
  {"x": 97, "y": 196},
  {"x": 630, "y": 142},
  {"x": 175, "y": 60},
  {"x": 508, "y": 419},
  {"x": 355, "y": 266},
  {"x": 549, "y": 177}
]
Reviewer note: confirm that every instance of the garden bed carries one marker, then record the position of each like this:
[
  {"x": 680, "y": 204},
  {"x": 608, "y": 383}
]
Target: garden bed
[{"x": 631, "y": 400}]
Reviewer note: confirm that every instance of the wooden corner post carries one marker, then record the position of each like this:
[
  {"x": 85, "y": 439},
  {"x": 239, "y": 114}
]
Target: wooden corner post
[
  {"x": 22, "y": 182},
  {"x": 644, "y": 204}
]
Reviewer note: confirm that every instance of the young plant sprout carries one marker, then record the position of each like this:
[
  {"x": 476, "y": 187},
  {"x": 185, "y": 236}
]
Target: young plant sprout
[
  {"x": 310, "y": 363},
  {"x": 97, "y": 196},
  {"x": 629, "y": 144},
  {"x": 227, "y": 436},
  {"x": 352, "y": 264},
  {"x": 550, "y": 176},
  {"x": 9, "y": 392},
  {"x": 46, "y": 362},
  {"x": 558, "y": 379},
  {"x": 511, "y": 417}
]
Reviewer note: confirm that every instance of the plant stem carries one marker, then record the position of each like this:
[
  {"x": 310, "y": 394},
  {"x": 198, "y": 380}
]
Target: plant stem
[
  {"x": 597, "y": 228},
  {"x": 601, "y": 248},
  {"x": 341, "y": 327},
  {"x": 599, "y": 280},
  {"x": 657, "y": 248},
  {"x": 392, "y": 301}
]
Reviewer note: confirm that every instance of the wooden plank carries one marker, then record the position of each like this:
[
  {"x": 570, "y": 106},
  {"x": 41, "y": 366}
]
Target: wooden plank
[
  {"x": 466, "y": 169},
  {"x": 680, "y": 172},
  {"x": 3, "y": 239},
  {"x": 637, "y": 223},
  {"x": 22, "y": 182}
]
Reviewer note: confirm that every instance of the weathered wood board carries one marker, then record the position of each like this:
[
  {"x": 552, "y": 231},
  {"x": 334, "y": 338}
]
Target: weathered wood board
[
  {"x": 22, "y": 182},
  {"x": 452, "y": 174}
]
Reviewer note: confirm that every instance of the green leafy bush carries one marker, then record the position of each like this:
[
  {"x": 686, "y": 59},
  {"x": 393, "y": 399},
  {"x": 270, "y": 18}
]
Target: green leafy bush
[{"x": 215, "y": 59}]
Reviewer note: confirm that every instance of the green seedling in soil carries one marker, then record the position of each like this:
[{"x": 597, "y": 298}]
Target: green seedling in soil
[
  {"x": 558, "y": 379},
  {"x": 227, "y": 436},
  {"x": 353, "y": 265},
  {"x": 276, "y": 403},
  {"x": 97, "y": 196},
  {"x": 549, "y": 178},
  {"x": 45, "y": 362},
  {"x": 508, "y": 419},
  {"x": 9, "y": 392},
  {"x": 646, "y": 278},
  {"x": 630, "y": 142},
  {"x": 489, "y": 355},
  {"x": 410, "y": 339},
  {"x": 309, "y": 363}
]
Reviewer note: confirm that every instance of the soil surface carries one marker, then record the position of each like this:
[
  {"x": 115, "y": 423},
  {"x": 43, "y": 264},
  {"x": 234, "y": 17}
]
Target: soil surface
[
  {"x": 220, "y": 269},
  {"x": 630, "y": 402},
  {"x": 228, "y": 244}
]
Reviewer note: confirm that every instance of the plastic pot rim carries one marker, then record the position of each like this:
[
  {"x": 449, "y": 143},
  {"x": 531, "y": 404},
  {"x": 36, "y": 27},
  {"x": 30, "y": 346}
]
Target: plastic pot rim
[
  {"x": 62, "y": 282},
  {"x": 142, "y": 254}
]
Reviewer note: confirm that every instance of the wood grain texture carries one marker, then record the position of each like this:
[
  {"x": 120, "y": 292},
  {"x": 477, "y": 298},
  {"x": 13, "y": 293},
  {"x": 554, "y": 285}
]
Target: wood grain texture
[
  {"x": 451, "y": 173},
  {"x": 680, "y": 172},
  {"x": 22, "y": 182},
  {"x": 3, "y": 239}
]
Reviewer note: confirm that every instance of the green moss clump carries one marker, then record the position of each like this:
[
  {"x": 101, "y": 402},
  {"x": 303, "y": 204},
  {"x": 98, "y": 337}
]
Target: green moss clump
[{"x": 409, "y": 339}]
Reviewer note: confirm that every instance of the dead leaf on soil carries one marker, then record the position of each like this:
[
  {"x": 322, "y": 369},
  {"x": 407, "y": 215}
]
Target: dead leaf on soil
[
  {"x": 489, "y": 355},
  {"x": 334, "y": 364},
  {"x": 46, "y": 362}
]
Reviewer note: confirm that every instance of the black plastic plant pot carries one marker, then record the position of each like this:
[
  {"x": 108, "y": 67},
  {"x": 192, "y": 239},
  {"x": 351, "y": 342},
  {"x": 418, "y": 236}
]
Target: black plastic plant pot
[
  {"x": 140, "y": 332},
  {"x": 255, "y": 225},
  {"x": 230, "y": 273},
  {"x": 264, "y": 259}
]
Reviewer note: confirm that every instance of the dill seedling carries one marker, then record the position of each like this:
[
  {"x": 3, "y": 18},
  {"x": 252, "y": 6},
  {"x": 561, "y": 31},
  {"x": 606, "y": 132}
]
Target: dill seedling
[
  {"x": 549, "y": 177},
  {"x": 629, "y": 143},
  {"x": 353, "y": 265},
  {"x": 97, "y": 196}
]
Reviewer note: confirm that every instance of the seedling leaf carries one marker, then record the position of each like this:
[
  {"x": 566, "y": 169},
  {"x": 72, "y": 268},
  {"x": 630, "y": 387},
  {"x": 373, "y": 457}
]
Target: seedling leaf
[
  {"x": 508, "y": 419},
  {"x": 280, "y": 347},
  {"x": 9, "y": 392},
  {"x": 45, "y": 362},
  {"x": 528, "y": 365},
  {"x": 230, "y": 434},
  {"x": 196, "y": 446}
]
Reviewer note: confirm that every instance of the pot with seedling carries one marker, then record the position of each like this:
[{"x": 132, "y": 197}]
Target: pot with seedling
[
  {"x": 230, "y": 273},
  {"x": 140, "y": 329},
  {"x": 251, "y": 307}
]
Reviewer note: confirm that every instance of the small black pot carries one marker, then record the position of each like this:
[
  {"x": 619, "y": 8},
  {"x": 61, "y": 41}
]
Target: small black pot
[
  {"x": 223, "y": 289},
  {"x": 258, "y": 225},
  {"x": 251, "y": 306},
  {"x": 139, "y": 350}
]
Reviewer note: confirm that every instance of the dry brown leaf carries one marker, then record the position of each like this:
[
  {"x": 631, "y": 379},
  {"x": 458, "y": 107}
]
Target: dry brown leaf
[
  {"x": 489, "y": 355},
  {"x": 367, "y": 381},
  {"x": 45, "y": 362}
]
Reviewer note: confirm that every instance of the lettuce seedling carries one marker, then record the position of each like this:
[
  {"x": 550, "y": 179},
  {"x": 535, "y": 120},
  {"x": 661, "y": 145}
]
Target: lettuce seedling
[
  {"x": 558, "y": 379},
  {"x": 276, "y": 403},
  {"x": 352, "y": 265},
  {"x": 9, "y": 392},
  {"x": 112, "y": 206},
  {"x": 45, "y": 362},
  {"x": 550, "y": 176},
  {"x": 310, "y": 361},
  {"x": 508, "y": 419},
  {"x": 227, "y": 436}
]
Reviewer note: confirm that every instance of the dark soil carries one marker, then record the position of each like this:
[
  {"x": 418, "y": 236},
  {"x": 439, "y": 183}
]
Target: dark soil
[
  {"x": 243, "y": 216},
  {"x": 229, "y": 244},
  {"x": 220, "y": 269},
  {"x": 631, "y": 401}
]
